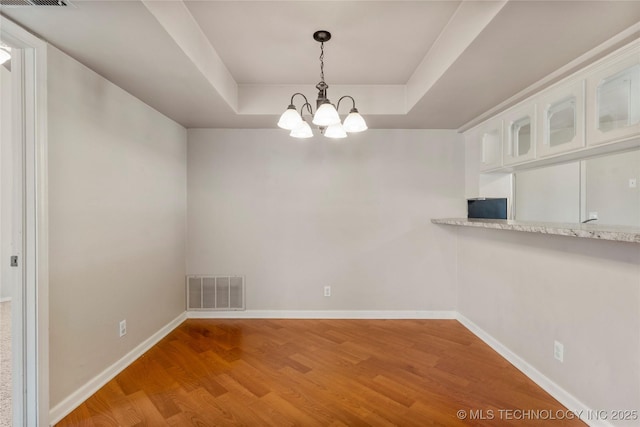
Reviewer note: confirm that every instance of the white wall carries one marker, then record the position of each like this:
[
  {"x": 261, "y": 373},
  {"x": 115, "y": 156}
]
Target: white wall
[
  {"x": 294, "y": 216},
  {"x": 607, "y": 188},
  {"x": 551, "y": 194},
  {"x": 527, "y": 290},
  {"x": 477, "y": 184},
  {"x": 6, "y": 185},
  {"x": 117, "y": 206}
]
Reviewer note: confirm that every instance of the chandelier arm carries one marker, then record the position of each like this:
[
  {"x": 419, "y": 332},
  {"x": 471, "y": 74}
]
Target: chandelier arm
[
  {"x": 301, "y": 94},
  {"x": 346, "y": 96},
  {"x": 306, "y": 104}
]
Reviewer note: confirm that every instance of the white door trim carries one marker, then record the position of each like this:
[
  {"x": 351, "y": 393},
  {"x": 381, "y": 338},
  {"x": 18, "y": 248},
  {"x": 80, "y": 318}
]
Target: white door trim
[{"x": 35, "y": 239}]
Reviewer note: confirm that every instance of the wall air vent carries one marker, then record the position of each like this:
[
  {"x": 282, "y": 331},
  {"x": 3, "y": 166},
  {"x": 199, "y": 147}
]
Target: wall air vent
[
  {"x": 34, "y": 2},
  {"x": 223, "y": 293}
]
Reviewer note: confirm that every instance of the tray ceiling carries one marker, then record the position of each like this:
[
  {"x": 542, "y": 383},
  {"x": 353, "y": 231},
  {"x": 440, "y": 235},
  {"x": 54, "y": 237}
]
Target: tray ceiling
[{"x": 409, "y": 64}]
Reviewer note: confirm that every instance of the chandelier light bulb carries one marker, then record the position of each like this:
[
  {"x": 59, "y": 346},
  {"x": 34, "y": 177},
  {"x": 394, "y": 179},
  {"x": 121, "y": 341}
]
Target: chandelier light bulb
[
  {"x": 335, "y": 131},
  {"x": 354, "y": 122},
  {"x": 302, "y": 131},
  {"x": 290, "y": 119},
  {"x": 326, "y": 115}
]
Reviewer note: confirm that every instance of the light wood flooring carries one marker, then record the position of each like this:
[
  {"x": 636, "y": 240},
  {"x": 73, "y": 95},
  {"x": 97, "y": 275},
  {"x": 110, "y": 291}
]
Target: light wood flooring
[{"x": 317, "y": 373}]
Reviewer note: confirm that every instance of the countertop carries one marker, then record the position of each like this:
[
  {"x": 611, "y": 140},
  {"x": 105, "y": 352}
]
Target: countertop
[{"x": 589, "y": 230}]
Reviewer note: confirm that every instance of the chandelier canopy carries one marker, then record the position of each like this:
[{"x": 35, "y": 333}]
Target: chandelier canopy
[{"x": 326, "y": 116}]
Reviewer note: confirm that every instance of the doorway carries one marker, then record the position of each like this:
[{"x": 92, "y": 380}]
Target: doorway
[
  {"x": 10, "y": 241},
  {"x": 11, "y": 232},
  {"x": 23, "y": 233}
]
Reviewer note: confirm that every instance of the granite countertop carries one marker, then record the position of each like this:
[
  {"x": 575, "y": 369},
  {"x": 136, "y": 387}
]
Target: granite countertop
[{"x": 589, "y": 230}]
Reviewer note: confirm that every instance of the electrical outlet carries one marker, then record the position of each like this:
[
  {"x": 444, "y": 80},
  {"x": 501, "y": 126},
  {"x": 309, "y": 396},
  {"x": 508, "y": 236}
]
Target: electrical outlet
[
  {"x": 593, "y": 215},
  {"x": 327, "y": 291},
  {"x": 558, "y": 351},
  {"x": 123, "y": 328},
  {"x": 633, "y": 183}
]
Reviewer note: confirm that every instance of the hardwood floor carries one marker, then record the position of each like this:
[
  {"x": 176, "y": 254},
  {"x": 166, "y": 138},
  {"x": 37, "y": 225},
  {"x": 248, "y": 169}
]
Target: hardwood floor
[{"x": 320, "y": 373}]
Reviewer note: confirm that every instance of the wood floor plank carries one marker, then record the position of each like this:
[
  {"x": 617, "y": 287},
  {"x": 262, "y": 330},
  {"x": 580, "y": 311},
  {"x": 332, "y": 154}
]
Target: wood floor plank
[
  {"x": 194, "y": 413},
  {"x": 80, "y": 417},
  {"x": 291, "y": 411},
  {"x": 269, "y": 416},
  {"x": 280, "y": 372}
]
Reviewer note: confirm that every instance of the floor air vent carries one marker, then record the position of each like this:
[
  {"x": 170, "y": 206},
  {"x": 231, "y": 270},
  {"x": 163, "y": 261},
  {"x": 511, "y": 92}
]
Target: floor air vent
[{"x": 215, "y": 293}]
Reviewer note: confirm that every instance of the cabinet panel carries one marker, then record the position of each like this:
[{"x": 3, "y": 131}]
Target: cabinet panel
[
  {"x": 561, "y": 120},
  {"x": 613, "y": 101},
  {"x": 520, "y": 134},
  {"x": 490, "y": 138}
]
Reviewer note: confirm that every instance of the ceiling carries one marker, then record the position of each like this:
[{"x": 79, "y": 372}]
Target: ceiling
[{"x": 408, "y": 64}]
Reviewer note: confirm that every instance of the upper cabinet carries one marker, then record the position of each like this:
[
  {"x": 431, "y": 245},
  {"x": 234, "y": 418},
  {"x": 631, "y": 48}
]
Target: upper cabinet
[
  {"x": 561, "y": 120},
  {"x": 613, "y": 102},
  {"x": 490, "y": 140},
  {"x": 594, "y": 111},
  {"x": 519, "y": 134}
]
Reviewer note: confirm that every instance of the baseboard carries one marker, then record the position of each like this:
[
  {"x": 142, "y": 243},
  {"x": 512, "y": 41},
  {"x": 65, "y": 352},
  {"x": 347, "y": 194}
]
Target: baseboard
[
  {"x": 62, "y": 409},
  {"x": 558, "y": 393},
  {"x": 323, "y": 314},
  {"x": 5, "y": 299}
]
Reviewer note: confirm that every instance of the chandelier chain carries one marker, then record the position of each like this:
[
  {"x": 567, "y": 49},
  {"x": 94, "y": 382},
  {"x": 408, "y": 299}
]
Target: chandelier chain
[{"x": 322, "y": 61}]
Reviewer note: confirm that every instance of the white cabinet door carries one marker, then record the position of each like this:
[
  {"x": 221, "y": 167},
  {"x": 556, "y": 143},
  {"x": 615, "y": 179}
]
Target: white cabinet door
[
  {"x": 613, "y": 100},
  {"x": 519, "y": 134},
  {"x": 490, "y": 140},
  {"x": 561, "y": 119}
]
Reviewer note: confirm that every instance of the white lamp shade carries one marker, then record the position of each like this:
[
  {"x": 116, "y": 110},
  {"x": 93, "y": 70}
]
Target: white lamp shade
[
  {"x": 290, "y": 119},
  {"x": 4, "y": 56},
  {"x": 354, "y": 123},
  {"x": 326, "y": 115},
  {"x": 302, "y": 131},
  {"x": 335, "y": 131}
]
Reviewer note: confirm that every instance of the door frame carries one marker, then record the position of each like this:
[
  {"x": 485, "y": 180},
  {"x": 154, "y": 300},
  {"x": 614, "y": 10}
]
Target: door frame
[{"x": 32, "y": 131}]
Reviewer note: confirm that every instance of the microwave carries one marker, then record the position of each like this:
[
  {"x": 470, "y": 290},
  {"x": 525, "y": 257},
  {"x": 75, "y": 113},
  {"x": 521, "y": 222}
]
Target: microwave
[{"x": 489, "y": 208}]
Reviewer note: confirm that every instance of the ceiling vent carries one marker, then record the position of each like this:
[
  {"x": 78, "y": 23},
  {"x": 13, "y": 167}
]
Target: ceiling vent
[{"x": 34, "y": 3}]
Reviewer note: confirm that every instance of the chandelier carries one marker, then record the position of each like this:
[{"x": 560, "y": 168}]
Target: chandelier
[{"x": 326, "y": 116}]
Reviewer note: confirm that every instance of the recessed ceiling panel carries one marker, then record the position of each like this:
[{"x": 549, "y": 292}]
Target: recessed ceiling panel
[
  {"x": 373, "y": 42},
  {"x": 123, "y": 42},
  {"x": 525, "y": 42}
]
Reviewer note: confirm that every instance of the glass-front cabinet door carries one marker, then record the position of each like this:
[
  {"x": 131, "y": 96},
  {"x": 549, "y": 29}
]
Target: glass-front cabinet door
[
  {"x": 490, "y": 136},
  {"x": 614, "y": 101},
  {"x": 561, "y": 120},
  {"x": 520, "y": 134}
]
